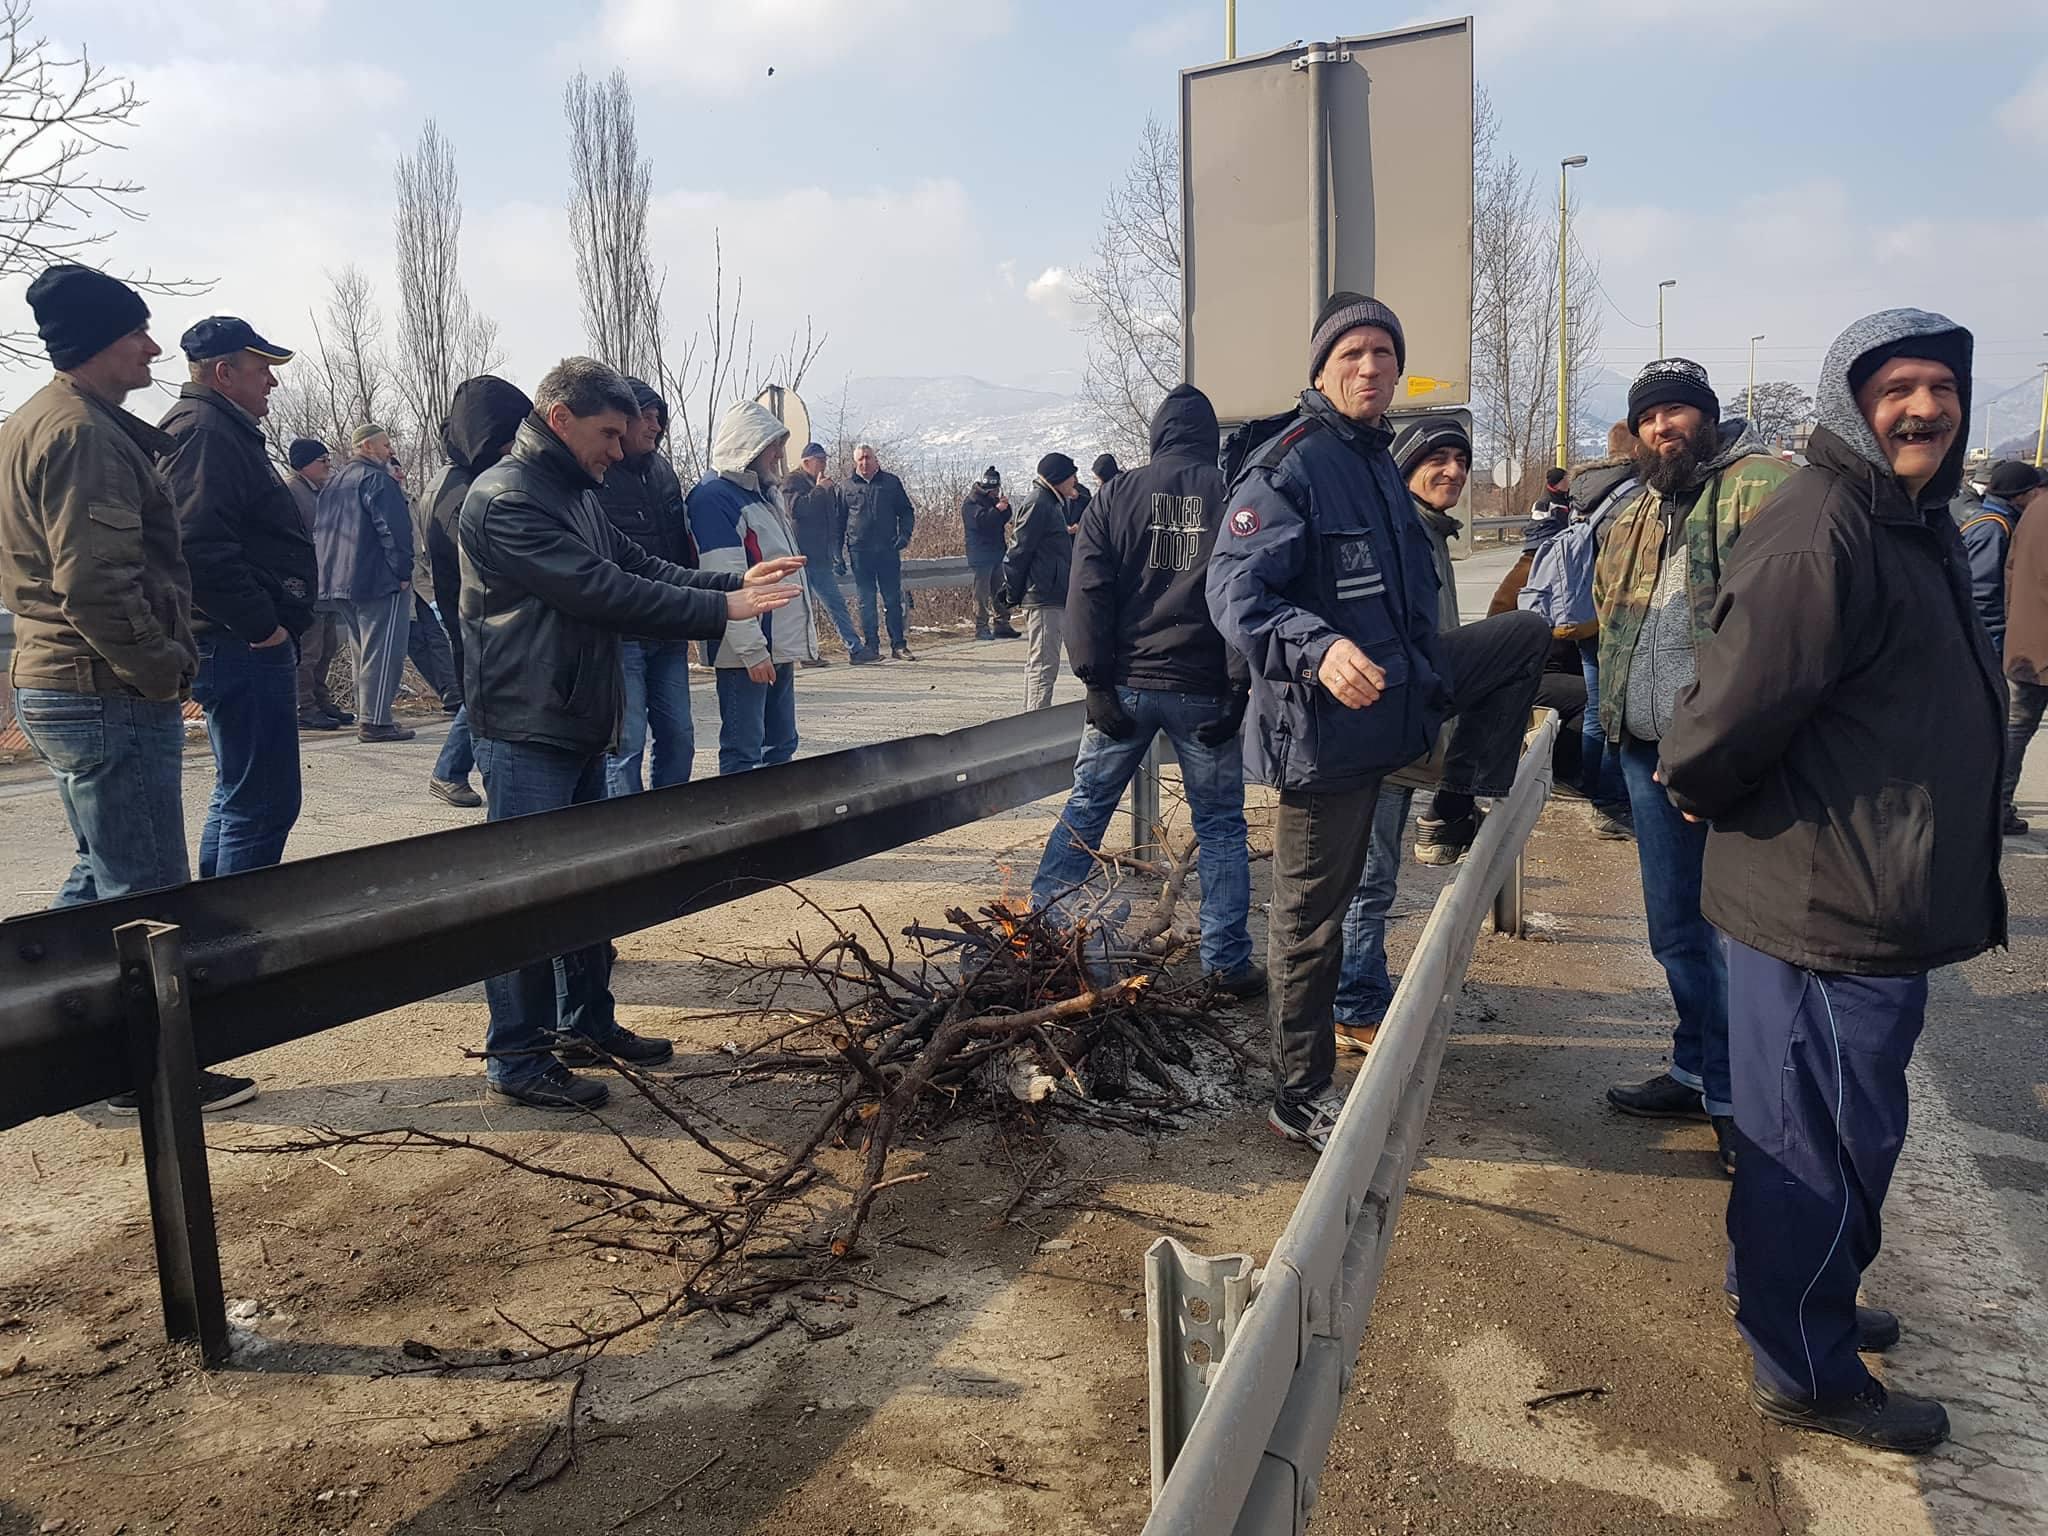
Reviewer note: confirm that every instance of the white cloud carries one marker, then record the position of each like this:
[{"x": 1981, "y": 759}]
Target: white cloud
[
  {"x": 727, "y": 47},
  {"x": 1504, "y": 27},
  {"x": 2025, "y": 115},
  {"x": 1057, "y": 293},
  {"x": 1188, "y": 37}
]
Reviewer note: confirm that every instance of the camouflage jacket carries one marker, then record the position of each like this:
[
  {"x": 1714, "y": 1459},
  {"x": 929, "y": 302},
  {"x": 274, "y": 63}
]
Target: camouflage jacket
[{"x": 1739, "y": 479}]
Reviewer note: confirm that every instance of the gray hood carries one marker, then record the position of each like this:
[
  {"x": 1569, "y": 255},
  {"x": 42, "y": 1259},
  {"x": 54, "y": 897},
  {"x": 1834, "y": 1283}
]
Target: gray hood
[
  {"x": 1738, "y": 441},
  {"x": 1835, "y": 401},
  {"x": 744, "y": 433}
]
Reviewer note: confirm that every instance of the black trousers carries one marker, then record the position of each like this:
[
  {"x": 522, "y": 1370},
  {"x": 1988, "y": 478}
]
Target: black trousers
[
  {"x": 1321, "y": 838},
  {"x": 317, "y": 647},
  {"x": 2027, "y": 703}
]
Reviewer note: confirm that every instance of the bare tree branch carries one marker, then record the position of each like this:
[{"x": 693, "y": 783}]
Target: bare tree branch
[{"x": 1132, "y": 292}]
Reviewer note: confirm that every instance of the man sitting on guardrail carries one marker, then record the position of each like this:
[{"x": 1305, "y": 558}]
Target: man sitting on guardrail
[
  {"x": 1844, "y": 740},
  {"x": 549, "y": 587},
  {"x": 1139, "y": 632},
  {"x": 1327, "y": 583}
]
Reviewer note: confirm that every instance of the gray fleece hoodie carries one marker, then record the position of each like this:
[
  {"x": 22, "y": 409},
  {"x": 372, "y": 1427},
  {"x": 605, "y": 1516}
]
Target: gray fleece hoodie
[{"x": 1835, "y": 401}]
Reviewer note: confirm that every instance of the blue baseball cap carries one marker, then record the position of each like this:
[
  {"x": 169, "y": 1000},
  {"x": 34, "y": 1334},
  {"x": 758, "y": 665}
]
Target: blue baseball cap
[{"x": 225, "y": 335}]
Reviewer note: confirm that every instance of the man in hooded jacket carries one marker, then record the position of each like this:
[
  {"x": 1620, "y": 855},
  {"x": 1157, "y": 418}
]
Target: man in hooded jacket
[
  {"x": 1142, "y": 640},
  {"x": 1036, "y": 570},
  {"x": 985, "y": 522},
  {"x": 483, "y": 414},
  {"x": 1844, "y": 737}
]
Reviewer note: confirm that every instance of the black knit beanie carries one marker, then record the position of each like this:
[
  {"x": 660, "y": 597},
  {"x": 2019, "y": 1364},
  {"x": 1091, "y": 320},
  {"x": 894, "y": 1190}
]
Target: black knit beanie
[
  {"x": 1419, "y": 439},
  {"x": 1344, "y": 310},
  {"x": 80, "y": 312},
  {"x": 1056, "y": 469},
  {"x": 1672, "y": 381},
  {"x": 304, "y": 451}
]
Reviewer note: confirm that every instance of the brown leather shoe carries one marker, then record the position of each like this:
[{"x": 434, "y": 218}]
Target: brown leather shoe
[{"x": 1357, "y": 1037}]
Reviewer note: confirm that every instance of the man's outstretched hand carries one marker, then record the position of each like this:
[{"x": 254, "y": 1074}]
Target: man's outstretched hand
[
  {"x": 769, "y": 572},
  {"x": 1353, "y": 678},
  {"x": 751, "y": 602}
]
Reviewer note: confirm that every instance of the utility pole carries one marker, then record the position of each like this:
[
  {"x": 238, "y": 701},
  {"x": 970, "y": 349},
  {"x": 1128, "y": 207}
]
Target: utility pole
[
  {"x": 1564, "y": 351},
  {"x": 1669, "y": 282},
  {"x": 1750, "y": 413},
  {"x": 2041, "y": 435},
  {"x": 1230, "y": 29}
]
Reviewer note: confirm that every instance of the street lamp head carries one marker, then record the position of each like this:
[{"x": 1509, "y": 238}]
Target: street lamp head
[
  {"x": 1669, "y": 282},
  {"x": 1759, "y": 336},
  {"x": 1573, "y": 160}
]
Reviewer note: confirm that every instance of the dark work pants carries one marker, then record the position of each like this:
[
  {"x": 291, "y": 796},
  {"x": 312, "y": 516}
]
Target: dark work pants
[
  {"x": 988, "y": 599},
  {"x": 426, "y": 642},
  {"x": 1819, "y": 1066},
  {"x": 317, "y": 648},
  {"x": 2028, "y": 702},
  {"x": 879, "y": 572}
]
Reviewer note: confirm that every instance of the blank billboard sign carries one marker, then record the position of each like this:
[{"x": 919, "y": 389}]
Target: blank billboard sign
[{"x": 1398, "y": 115}]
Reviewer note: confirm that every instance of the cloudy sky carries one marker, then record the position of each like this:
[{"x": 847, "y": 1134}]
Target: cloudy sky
[{"x": 919, "y": 175}]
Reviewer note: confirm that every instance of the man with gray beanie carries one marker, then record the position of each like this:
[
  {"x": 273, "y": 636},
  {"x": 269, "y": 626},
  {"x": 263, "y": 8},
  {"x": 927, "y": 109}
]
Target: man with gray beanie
[
  {"x": 1327, "y": 584},
  {"x": 1843, "y": 737},
  {"x": 1654, "y": 586}
]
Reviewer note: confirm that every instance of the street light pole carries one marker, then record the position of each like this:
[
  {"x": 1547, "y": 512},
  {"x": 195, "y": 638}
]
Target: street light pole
[
  {"x": 1750, "y": 414},
  {"x": 1229, "y": 29},
  {"x": 1669, "y": 282},
  {"x": 2041, "y": 435},
  {"x": 1564, "y": 351}
]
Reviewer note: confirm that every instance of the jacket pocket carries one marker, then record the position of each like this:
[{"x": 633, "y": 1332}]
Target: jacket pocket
[
  {"x": 1905, "y": 862},
  {"x": 115, "y": 532}
]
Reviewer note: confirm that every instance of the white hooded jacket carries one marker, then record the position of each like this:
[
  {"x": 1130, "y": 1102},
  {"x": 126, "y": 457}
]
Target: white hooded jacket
[{"x": 739, "y": 521}]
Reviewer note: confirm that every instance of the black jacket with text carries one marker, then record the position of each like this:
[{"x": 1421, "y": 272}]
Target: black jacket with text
[{"x": 1137, "y": 605}]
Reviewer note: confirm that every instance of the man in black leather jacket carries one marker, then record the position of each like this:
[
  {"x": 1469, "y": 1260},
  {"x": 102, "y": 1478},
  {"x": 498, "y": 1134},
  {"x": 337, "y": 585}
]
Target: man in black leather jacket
[{"x": 549, "y": 587}]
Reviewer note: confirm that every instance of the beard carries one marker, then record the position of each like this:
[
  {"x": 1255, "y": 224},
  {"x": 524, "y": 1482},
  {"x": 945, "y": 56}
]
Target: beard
[{"x": 1666, "y": 473}]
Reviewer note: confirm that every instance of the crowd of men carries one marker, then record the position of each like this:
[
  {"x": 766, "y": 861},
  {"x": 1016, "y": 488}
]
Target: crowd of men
[{"x": 1796, "y": 675}]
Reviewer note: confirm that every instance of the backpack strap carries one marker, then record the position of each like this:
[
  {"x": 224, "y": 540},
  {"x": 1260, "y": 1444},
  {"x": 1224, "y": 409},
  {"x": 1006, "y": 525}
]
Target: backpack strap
[{"x": 1989, "y": 517}]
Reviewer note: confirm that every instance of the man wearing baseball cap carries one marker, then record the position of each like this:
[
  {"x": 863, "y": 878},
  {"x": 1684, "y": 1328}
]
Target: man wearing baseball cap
[
  {"x": 254, "y": 583},
  {"x": 1654, "y": 589}
]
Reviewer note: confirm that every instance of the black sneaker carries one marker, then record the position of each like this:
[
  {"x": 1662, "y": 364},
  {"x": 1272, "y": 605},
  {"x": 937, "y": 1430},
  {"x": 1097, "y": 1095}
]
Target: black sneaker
[
  {"x": 1663, "y": 1097},
  {"x": 864, "y": 657},
  {"x": 982, "y": 634},
  {"x": 385, "y": 733},
  {"x": 217, "y": 1090},
  {"x": 1610, "y": 822},
  {"x": 620, "y": 1045},
  {"x": 1245, "y": 983},
  {"x": 556, "y": 1088},
  {"x": 1876, "y": 1329},
  {"x": 1886, "y": 1421},
  {"x": 814, "y": 661},
  {"x": 455, "y": 792},
  {"x": 1005, "y": 632},
  {"x": 1443, "y": 843},
  {"x": 1308, "y": 1124},
  {"x": 901, "y": 653},
  {"x": 1724, "y": 1142},
  {"x": 2014, "y": 824},
  {"x": 318, "y": 722},
  {"x": 340, "y": 717}
]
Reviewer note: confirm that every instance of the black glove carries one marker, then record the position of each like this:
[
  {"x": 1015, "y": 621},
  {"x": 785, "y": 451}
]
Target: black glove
[
  {"x": 1106, "y": 714},
  {"x": 1225, "y": 725}
]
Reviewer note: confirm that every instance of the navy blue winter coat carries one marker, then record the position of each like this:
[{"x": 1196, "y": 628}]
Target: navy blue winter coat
[
  {"x": 1319, "y": 542},
  {"x": 1987, "y": 540}
]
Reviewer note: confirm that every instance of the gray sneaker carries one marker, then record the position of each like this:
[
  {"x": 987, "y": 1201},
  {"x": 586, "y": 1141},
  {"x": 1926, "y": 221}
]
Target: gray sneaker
[{"x": 556, "y": 1088}]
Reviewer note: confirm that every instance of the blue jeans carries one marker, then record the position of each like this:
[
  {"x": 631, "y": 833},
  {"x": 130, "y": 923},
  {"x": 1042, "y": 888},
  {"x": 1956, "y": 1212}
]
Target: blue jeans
[
  {"x": 1821, "y": 1063},
  {"x": 458, "y": 752},
  {"x": 1213, "y": 778},
  {"x": 756, "y": 721},
  {"x": 879, "y": 571},
  {"x": 251, "y": 699},
  {"x": 117, "y": 760},
  {"x": 570, "y": 994},
  {"x": 657, "y": 674},
  {"x": 1671, "y": 851},
  {"x": 1364, "y": 989},
  {"x": 1599, "y": 767},
  {"x": 831, "y": 595}
]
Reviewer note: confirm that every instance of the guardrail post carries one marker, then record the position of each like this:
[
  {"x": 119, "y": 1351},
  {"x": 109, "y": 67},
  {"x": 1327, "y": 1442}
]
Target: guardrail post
[
  {"x": 165, "y": 1072},
  {"x": 1192, "y": 1307},
  {"x": 1507, "y": 904},
  {"x": 1145, "y": 801}
]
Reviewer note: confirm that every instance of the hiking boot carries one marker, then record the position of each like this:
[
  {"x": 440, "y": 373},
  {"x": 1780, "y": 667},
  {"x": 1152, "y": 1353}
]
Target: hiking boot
[
  {"x": 1309, "y": 1124},
  {"x": 2014, "y": 824},
  {"x": 556, "y": 1088},
  {"x": 1244, "y": 983},
  {"x": 217, "y": 1090},
  {"x": 619, "y": 1045},
  {"x": 1443, "y": 843},
  {"x": 900, "y": 653},
  {"x": 1876, "y": 1329},
  {"x": 1005, "y": 632},
  {"x": 1663, "y": 1097},
  {"x": 1724, "y": 1142},
  {"x": 340, "y": 717},
  {"x": 1356, "y": 1037},
  {"x": 1885, "y": 1421},
  {"x": 1607, "y": 822},
  {"x": 318, "y": 722},
  {"x": 385, "y": 733},
  {"x": 455, "y": 792},
  {"x": 864, "y": 657}
]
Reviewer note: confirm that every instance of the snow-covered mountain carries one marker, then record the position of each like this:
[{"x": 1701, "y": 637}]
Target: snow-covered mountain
[{"x": 962, "y": 420}]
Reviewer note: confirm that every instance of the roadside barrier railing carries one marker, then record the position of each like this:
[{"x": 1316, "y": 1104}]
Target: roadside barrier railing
[{"x": 1249, "y": 1366}]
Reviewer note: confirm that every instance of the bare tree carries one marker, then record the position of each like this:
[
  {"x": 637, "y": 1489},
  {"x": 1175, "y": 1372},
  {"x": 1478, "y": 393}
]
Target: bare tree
[
  {"x": 438, "y": 333},
  {"x": 1132, "y": 293},
  {"x": 483, "y": 349},
  {"x": 343, "y": 379},
  {"x": 609, "y": 181},
  {"x": 1778, "y": 410},
  {"x": 56, "y": 113}
]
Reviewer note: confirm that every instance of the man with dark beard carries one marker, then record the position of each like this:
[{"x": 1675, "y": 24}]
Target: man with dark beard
[
  {"x": 1654, "y": 588},
  {"x": 1844, "y": 737}
]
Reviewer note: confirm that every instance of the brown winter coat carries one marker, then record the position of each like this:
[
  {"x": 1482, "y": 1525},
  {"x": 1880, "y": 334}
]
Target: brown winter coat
[
  {"x": 2026, "y": 597},
  {"x": 91, "y": 563}
]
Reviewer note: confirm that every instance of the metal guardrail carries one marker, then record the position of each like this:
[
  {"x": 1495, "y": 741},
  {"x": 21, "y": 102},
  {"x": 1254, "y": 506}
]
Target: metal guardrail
[
  {"x": 1249, "y": 1367},
  {"x": 140, "y": 992},
  {"x": 941, "y": 571}
]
